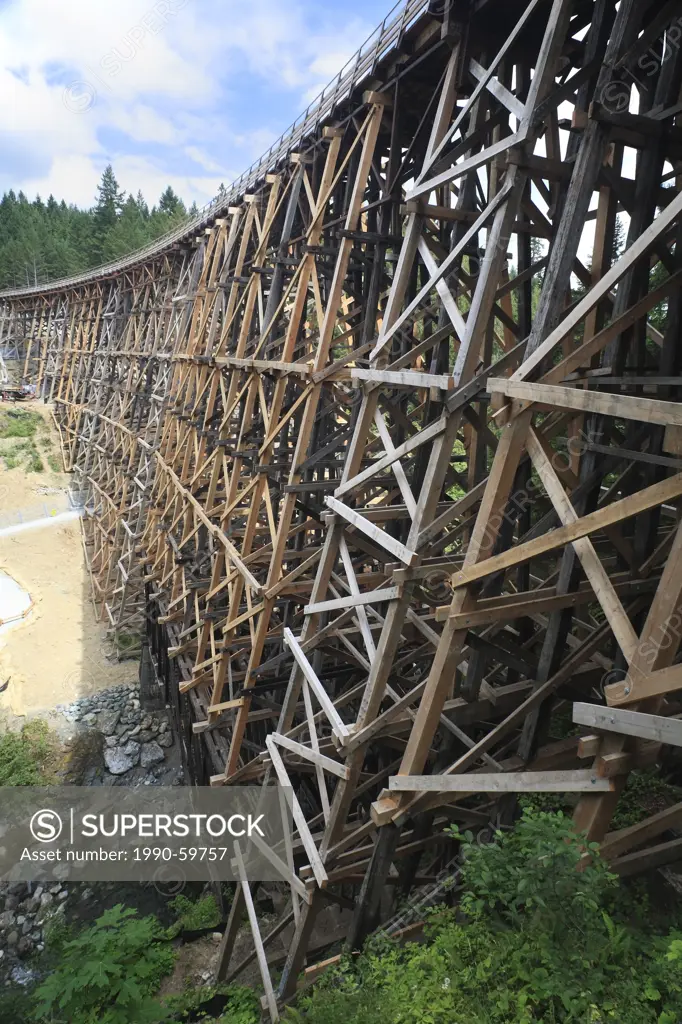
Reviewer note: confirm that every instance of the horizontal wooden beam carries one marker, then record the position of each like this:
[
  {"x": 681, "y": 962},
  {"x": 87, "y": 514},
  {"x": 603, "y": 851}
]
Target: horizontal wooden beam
[
  {"x": 579, "y": 781},
  {"x": 627, "y": 407},
  {"x": 630, "y": 723}
]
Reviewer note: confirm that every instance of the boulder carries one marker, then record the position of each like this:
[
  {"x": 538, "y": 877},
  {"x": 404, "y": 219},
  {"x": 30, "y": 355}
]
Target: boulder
[
  {"x": 108, "y": 720},
  {"x": 117, "y": 761},
  {"x": 165, "y": 739},
  {"x": 132, "y": 749},
  {"x": 6, "y": 920},
  {"x": 151, "y": 753}
]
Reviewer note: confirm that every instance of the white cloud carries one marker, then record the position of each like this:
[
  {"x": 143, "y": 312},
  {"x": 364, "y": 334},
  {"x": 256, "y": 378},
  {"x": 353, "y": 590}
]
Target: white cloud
[
  {"x": 163, "y": 89},
  {"x": 143, "y": 124},
  {"x": 201, "y": 158},
  {"x": 72, "y": 178},
  {"x": 135, "y": 173}
]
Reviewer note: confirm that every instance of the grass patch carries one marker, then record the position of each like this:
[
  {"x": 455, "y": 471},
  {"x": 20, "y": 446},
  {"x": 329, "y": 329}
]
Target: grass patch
[
  {"x": 29, "y": 757},
  {"x": 21, "y": 423},
  {"x": 22, "y": 431}
]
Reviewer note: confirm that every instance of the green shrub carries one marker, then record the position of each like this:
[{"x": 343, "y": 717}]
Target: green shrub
[
  {"x": 194, "y": 915},
  {"x": 26, "y": 757},
  {"x": 532, "y": 872},
  {"x": 535, "y": 941},
  {"x": 109, "y": 973},
  {"x": 15, "y": 1007}
]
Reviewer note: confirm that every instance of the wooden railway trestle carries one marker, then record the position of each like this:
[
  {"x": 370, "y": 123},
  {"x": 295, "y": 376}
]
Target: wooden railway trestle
[{"x": 386, "y": 446}]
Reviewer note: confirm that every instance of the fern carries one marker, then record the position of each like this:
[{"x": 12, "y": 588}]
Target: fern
[{"x": 109, "y": 973}]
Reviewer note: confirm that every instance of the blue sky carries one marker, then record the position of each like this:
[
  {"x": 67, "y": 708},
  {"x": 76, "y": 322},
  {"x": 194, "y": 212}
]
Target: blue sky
[{"x": 186, "y": 92}]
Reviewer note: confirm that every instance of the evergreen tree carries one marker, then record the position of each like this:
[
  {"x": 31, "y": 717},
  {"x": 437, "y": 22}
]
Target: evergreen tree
[
  {"x": 142, "y": 205},
  {"x": 619, "y": 239},
  {"x": 128, "y": 233},
  {"x": 171, "y": 203},
  {"x": 45, "y": 240},
  {"x": 109, "y": 200}
]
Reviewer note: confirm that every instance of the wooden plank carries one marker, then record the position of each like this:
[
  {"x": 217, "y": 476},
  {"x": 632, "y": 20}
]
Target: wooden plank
[
  {"x": 418, "y": 439},
  {"x": 645, "y": 241},
  {"x": 577, "y": 781},
  {"x": 646, "y": 860},
  {"x": 298, "y": 815},
  {"x": 226, "y": 705},
  {"x": 617, "y": 843},
  {"x": 594, "y": 570},
  {"x": 366, "y": 597},
  {"x": 255, "y": 931},
  {"x": 628, "y": 407},
  {"x": 496, "y": 89},
  {"x": 327, "y": 705},
  {"x": 630, "y": 723},
  {"x": 640, "y": 684},
  {"x": 372, "y": 531},
  {"x": 311, "y": 755},
  {"x": 404, "y": 378}
]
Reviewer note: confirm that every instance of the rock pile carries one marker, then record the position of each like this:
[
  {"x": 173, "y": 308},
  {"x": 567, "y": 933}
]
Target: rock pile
[
  {"x": 132, "y": 738},
  {"x": 27, "y": 911}
]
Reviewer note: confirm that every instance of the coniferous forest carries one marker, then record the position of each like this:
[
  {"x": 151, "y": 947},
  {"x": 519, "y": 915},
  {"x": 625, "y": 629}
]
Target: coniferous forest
[{"x": 44, "y": 240}]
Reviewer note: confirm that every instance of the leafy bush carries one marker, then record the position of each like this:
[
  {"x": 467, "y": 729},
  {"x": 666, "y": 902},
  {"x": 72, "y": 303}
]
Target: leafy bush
[
  {"x": 15, "y": 1007},
  {"x": 26, "y": 757},
  {"x": 530, "y": 875},
  {"x": 109, "y": 973},
  {"x": 535, "y": 941},
  {"x": 194, "y": 915}
]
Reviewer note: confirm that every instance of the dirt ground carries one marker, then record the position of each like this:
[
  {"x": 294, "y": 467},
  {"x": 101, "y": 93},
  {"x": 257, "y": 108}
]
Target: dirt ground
[{"x": 59, "y": 652}]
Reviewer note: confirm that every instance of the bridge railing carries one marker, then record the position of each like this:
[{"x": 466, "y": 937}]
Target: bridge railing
[{"x": 387, "y": 35}]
